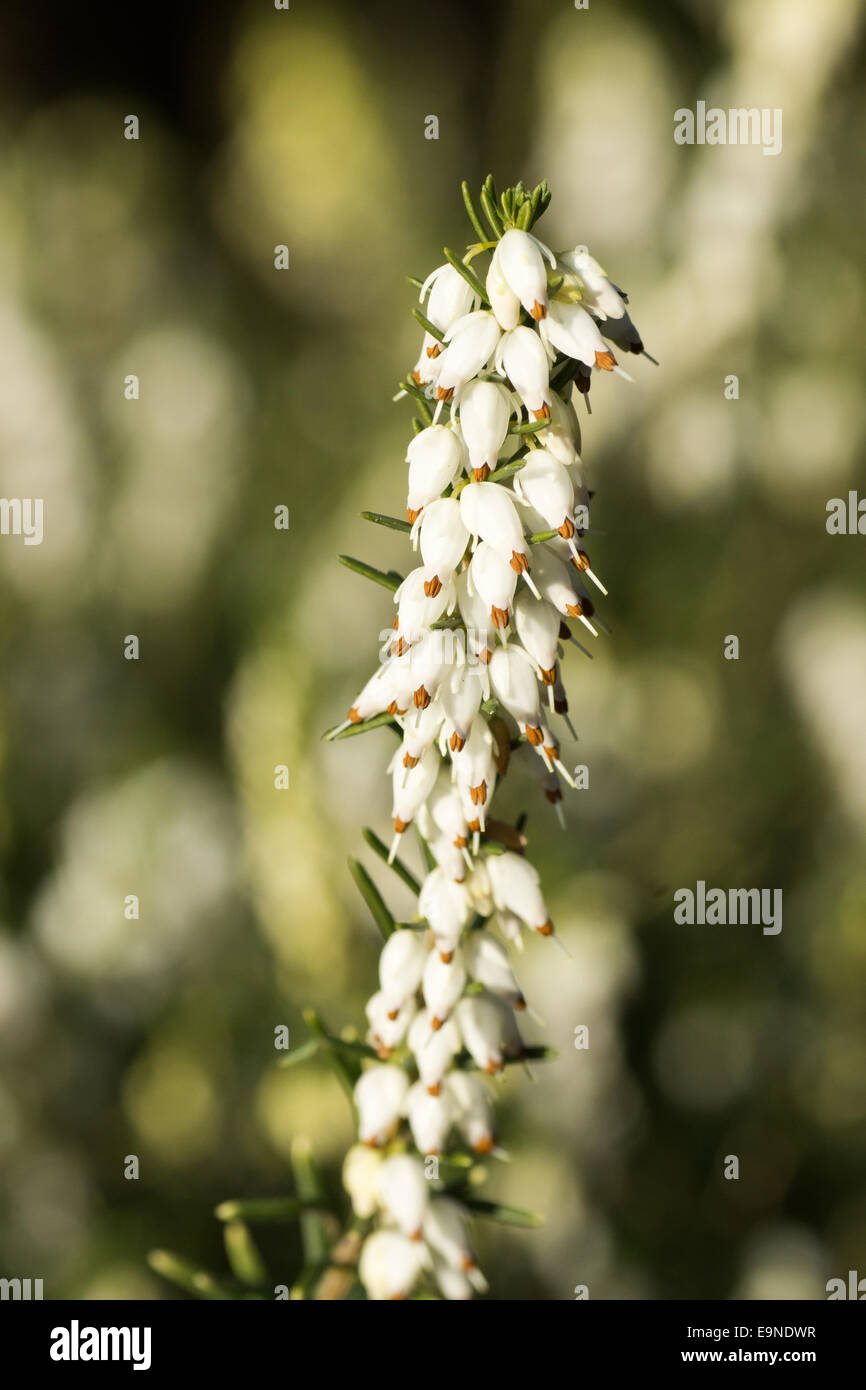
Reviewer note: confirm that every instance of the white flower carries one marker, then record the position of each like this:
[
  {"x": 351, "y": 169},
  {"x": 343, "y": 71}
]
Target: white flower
[
  {"x": 446, "y": 1231},
  {"x": 361, "y": 1179},
  {"x": 488, "y": 1030},
  {"x": 443, "y": 539},
  {"x": 379, "y": 1096},
  {"x": 443, "y": 809},
  {"x": 442, "y": 985},
  {"x": 390, "y": 1264},
  {"x": 477, "y": 617},
  {"x": 492, "y": 578},
  {"x": 426, "y": 367},
  {"x": 474, "y": 766},
  {"x": 599, "y": 294},
  {"x": 401, "y": 966},
  {"x": 485, "y": 411},
  {"x": 515, "y": 685},
  {"x": 574, "y": 332},
  {"x": 421, "y": 729},
  {"x": 461, "y": 695},
  {"x": 445, "y": 905},
  {"x": 453, "y": 1283},
  {"x": 378, "y": 695},
  {"x": 503, "y": 300},
  {"x": 387, "y": 1029},
  {"x": 450, "y": 297},
  {"x": 434, "y": 461},
  {"x": 404, "y": 1193},
  {"x": 488, "y": 511},
  {"x": 521, "y": 357},
  {"x": 471, "y": 342},
  {"x": 430, "y": 1118},
  {"x": 411, "y": 787},
  {"x": 474, "y": 1105},
  {"x": 538, "y": 628},
  {"x": 522, "y": 265},
  {"x": 516, "y": 888},
  {"x": 419, "y": 607},
  {"x": 545, "y": 484},
  {"x": 487, "y": 962},
  {"x": 449, "y": 859},
  {"x": 434, "y": 1050},
  {"x": 554, "y": 580},
  {"x": 562, "y": 437},
  {"x": 429, "y": 662}
]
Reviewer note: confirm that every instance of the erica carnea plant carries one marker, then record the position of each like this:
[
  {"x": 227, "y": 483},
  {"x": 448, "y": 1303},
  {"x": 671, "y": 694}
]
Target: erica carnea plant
[{"x": 469, "y": 679}]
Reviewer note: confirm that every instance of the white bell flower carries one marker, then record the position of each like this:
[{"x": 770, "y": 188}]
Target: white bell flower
[
  {"x": 474, "y": 764},
  {"x": 390, "y": 1264},
  {"x": 361, "y": 1179},
  {"x": 574, "y": 332},
  {"x": 488, "y": 511},
  {"x": 492, "y": 578},
  {"x": 461, "y": 695},
  {"x": 474, "y": 1107},
  {"x": 379, "y": 1096},
  {"x": 487, "y": 962},
  {"x": 404, "y": 1193},
  {"x": 387, "y": 1030},
  {"x": 515, "y": 685},
  {"x": 446, "y": 1231},
  {"x": 485, "y": 409},
  {"x": 434, "y": 459},
  {"x": 449, "y": 858},
  {"x": 521, "y": 262},
  {"x": 503, "y": 301},
  {"x": 420, "y": 730},
  {"x": 434, "y": 1050},
  {"x": 489, "y": 1031},
  {"x": 453, "y": 1283},
  {"x": 562, "y": 437},
  {"x": 445, "y": 905},
  {"x": 430, "y": 1118},
  {"x": 545, "y": 484},
  {"x": 449, "y": 297},
  {"x": 411, "y": 787},
  {"x": 377, "y": 696},
  {"x": 554, "y": 580},
  {"x": 442, "y": 985},
  {"x": 401, "y": 966},
  {"x": 418, "y": 608},
  {"x": 599, "y": 294},
  {"x": 443, "y": 539},
  {"x": 538, "y": 627},
  {"x": 477, "y": 617},
  {"x": 516, "y": 888},
  {"x": 521, "y": 356},
  {"x": 470, "y": 344}
]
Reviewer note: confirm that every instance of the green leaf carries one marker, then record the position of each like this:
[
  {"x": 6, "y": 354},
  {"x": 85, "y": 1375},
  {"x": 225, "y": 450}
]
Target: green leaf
[
  {"x": 263, "y": 1210},
  {"x": 524, "y": 217},
  {"x": 301, "y": 1054},
  {"x": 418, "y": 284},
  {"x": 529, "y": 426},
  {"x": 469, "y": 276},
  {"x": 187, "y": 1276},
  {"x": 379, "y": 847},
  {"x": 244, "y": 1256},
  {"x": 392, "y": 580},
  {"x": 470, "y": 211},
  {"x": 375, "y": 722},
  {"x": 393, "y": 523},
  {"x": 414, "y": 390},
  {"x": 372, "y": 897},
  {"x": 506, "y": 471},
  {"x": 491, "y": 213},
  {"x": 497, "y": 1211},
  {"x": 543, "y": 536},
  {"x": 428, "y": 326},
  {"x": 308, "y": 1185}
]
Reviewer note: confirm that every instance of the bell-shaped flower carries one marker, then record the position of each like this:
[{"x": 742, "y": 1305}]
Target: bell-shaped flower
[
  {"x": 562, "y": 437},
  {"x": 404, "y": 1193},
  {"x": 521, "y": 357},
  {"x": 546, "y": 485},
  {"x": 377, "y": 696},
  {"x": 489, "y": 1031},
  {"x": 379, "y": 1096},
  {"x": 412, "y": 786},
  {"x": 485, "y": 409},
  {"x": 429, "y": 663},
  {"x": 574, "y": 332},
  {"x": 449, "y": 858},
  {"x": 443, "y": 984},
  {"x": 445, "y": 905},
  {"x": 514, "y": 684},
  {"x": 477, "y": 618},
  {"x": 418, "y": 608},
  {"x": 443, "y": 539},
  {"x": 554, "y": 580},
  {"x": 488, "y": 511},
  {"x": 538, "y": 627},
  {"x": 449, "y": 297},
  {"x": 461, "y": 695},
  {"x": 401, "y": 966},
  {"x": 420, "y": 730},
  {"x": 470, "y": 344},
  {"x": 434, "y": 1050},
  {"x": 503, "y": 301},
  {"x": 623, "y": 334},
  {"x": 521, "y": 262},
  {"x": 446, "y": 1231},
  {"x": 387, "y": 1030},
  {"x": 474, "y": 1108},
  {"x": 598, "y": 294},
  {"x": 494, "y": 581},
  {"x": 443, "y": 810},
  {"x": 434, "y": 459},
  {"x": 361, "y": 1179},
  {"x": 452, "y": 1283},
  {"x": 516, "y": 888},
  {"x": 488, "y": 964},
  {"x": 430, "y": 1118},
  {"x": 426, "y": 368},
  {"x": 390, "y": 1264},
  {"x": 475, "y": 764}
]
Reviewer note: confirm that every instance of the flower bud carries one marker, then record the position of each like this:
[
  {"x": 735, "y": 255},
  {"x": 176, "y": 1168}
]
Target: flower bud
[
  {"x": 516, "y": 888},
  {"x": 487, "y": 962},
  {"x": 430, "y": 1118},
  {"x": 471, "y": 342},
  {"x": 379, "y": 1096},
  {"x": 404, "y": 1193},
  {"x": 442, "y": 985},
  {"x": 446, "y": 1231},
  {"x": 488, "y": 1030},
  {"x": 443, "y": 539},
  {"x": 434, "y": 460},
  {"x": 474, "y": 1105},
  {"x": 521, "y": 357},
  {"x": 401, "y": 966},
  {"x": 390, "y": 1264},
  {"x": 485, "y": 410},
  {"x": 434, "y": 1050},
  {"x": 361, "y": 1179},
  {"x": 522, "y": 265}
]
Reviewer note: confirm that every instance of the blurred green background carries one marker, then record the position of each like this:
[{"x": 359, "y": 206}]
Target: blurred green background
[{"x": 260, "y": 388}]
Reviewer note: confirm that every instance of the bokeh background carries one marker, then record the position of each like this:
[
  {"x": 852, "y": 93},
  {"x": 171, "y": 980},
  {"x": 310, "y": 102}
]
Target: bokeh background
[{"x": 262, "y": 388}]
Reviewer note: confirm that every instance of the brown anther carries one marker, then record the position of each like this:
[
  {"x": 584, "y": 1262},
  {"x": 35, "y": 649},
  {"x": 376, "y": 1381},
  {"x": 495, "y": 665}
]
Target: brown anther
[
  {"x": 533, "y": 734},
  {"x": 574, "y": 610},
  {"x": 553, "y": 795},
  {"x": 392, "y": 708},
  {"x": 518, "y": 562},
  {"x": 432, "y": 586},
  {"x": 485, "y": 1145},
  {"x": 445, "y": 957},
  {"x": 398, "y": 647},
  {"x": 409, "y": 761},
  {"x": 400, "y": 825},
  {"x": 546, "y": 929},
  {"x": 392, "y": 1014},
  {"x": 436, "y": 1024},
  {"x": 474, "y": 825},
  {"x": 434, "y": 1090},
  {"x": 455, "y": 742},
  {"x": 479, "y": 794},
  {"x": 416, "y": 1235},
  {"x": 507, "y": 835},
  {"x": 412, "y": 516},
  {"x": 434, "y": 351},
  {"x": 500, "y": 619},
  {"x": 466, "y": 1264},
  {"x": 416, "y": 377},
  {"x": 543, "y": 413},
  {"x": 520, "y": 1004},
  {"x": 493, "y": 1067},
  {"x": 486, "y": 655},
  {"x": 481, "y": 474},
  {"x": 538, "y": 311},
  {"x": 353, "y": 716},
  {"x": 460, "y": 842},
  {"x": 580, "y": 560},
  {"x": 396, "y": 622},
  {"x": 421, "y": 698},
  {"x": 605, "y": 360},
  {"x": 552, "y": 752},
  {"x": 444, "y": 393},
  {"x": 548, "y": 677},
  {"x": 566, "y": 530}
]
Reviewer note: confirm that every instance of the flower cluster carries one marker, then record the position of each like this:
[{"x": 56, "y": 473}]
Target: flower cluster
[{"x": 497, "y": 511}]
